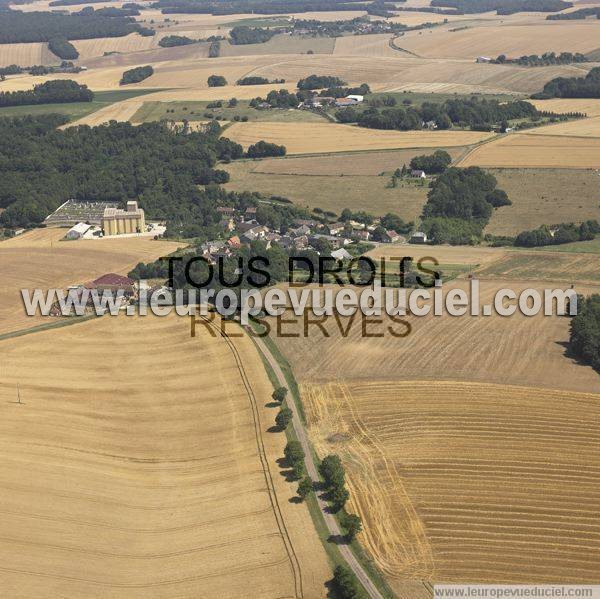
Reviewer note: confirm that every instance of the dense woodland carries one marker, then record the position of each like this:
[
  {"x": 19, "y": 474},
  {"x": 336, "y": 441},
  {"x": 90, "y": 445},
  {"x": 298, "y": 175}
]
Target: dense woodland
[
  {"x": 250, "y": 35},
  {"x": 41, "y": 166},
  {"x": 136, "y": 75},
  {"x": 170, "y": 41},
  {"x": 265, "y": 7},
  {"x": 459, "y": 205},
  {"x": 503, "y": 7},
  {"x": 572, "y": 87},
  {"x": 585, "y": 330},
  {"x": 51, "y": 92},
  {"x": 63, "y": 49},
  {"x": 320, "y": 82},
  {"x": 19, "y": 27}
]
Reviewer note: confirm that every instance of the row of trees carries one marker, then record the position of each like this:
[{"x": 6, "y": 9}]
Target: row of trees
[
  {"x": 558, "y": 234},
  {"x": 265, "y": 149},
  {"x": 171, "y": 41},
  {"x": 546, "y": 59},
  {"x": 584, "y": 339},
  {"x": 51, "y": 92},
  {"x": 572, "y": 87},
  {"x": 256, "y": 80},
  {"x": 582, "y": 13},
  {"x": 136, "y": 75},
  {"x": 19, "y": 27}
]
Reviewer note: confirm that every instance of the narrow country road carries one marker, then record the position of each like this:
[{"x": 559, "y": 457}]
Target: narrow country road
[{"x": 311, "y": 468}]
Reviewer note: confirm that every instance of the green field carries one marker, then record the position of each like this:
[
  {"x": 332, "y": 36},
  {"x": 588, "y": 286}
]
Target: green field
[
  {"x": 199, "y": 111},
  {"x": 579, "y": 247},
  {"x": 75, "y": 110}
]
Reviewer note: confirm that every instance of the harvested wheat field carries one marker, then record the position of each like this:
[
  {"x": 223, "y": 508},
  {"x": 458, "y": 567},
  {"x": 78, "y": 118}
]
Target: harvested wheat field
[
  {"x": 589, "y": 106},
  {"x": 369, "y": 163},
  {"x": 313, "y": 138},
  {"x": 589, "y": 127},
  {"x": 39, "y": 259},
  {"x": 97, "y": 47},
  {"x": 281, "y": 44},
  {"x": 365, "y": 45},
  {"x": 458, "y": 482},
  {"x": 536, "y": 151},
  {"x": 544, "y": 265},
  {"x": 139, "y": 464},
  {"x": 519, "y": 350},
  {"x": 26, "y": 55},
  {"x": 513, "y": 40}
]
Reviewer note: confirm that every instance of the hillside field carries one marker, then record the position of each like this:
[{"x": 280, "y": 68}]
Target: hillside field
[{"x": 139, "y": 464}]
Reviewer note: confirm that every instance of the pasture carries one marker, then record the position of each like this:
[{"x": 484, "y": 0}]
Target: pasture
[
  {"x": 314, "y": 138},
  {"x": 461, "y": 481},
  {"x": 139, "y": 464},
  {"x": 39, "y": 259},
  {"x": 544, "y": 196},
  {"x": 334, "y": 193}
]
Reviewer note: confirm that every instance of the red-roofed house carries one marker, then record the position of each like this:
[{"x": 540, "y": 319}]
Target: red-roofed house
[
  {"x": 113, "y": 282},
  {"x": 234, "y": 242}
]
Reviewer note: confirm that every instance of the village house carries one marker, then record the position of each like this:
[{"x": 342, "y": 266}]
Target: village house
[
  {"x": 344, "y": 102},
  {"x": 335, "y": 228},
  {"x": 418, "y": 174},
  {"x": 361, "y": 234},
  {"x": 391, "y": 236}
]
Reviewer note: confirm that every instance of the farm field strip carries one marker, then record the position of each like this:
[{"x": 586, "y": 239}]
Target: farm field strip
[
  {"x": 311, "y": 138},
  {"x": 480, "y": 470}
]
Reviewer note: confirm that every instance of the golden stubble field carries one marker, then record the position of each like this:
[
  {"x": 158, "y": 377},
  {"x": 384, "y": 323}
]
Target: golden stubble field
[
  {"x": 139, "y": 465},
  {"x": 312, "y": 138},
  {"x": 39, "y": 259},
  {"x": 463, "y": 482}
]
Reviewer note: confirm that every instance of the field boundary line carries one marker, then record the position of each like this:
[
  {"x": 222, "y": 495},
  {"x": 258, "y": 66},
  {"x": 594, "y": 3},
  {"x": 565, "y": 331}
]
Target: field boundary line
[{"x": 293, "y": 558}]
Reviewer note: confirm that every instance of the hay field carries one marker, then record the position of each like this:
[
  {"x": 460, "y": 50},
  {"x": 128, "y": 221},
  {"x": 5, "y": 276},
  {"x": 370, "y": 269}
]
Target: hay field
[
  {"x": 514, "y": 40},
  {"x": 519, "y": 350},
  {"x": 26, "y": 55},
  {"x": 39, "y": 259},
  {"x": 544, "y": 196},
  {"x": 369, "y": 163},
  {"x": 120, "y": 111},
  {"x": 281, "y": 44},
  {"x": 458, "y": 482},
  {"x": 536, "y": 151},
  {"x": 312, "y": 138},
  {"x": 333, "y": 193},
  {"x": 365, "y": 45},
  {"x": 120, "y": 481}
]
